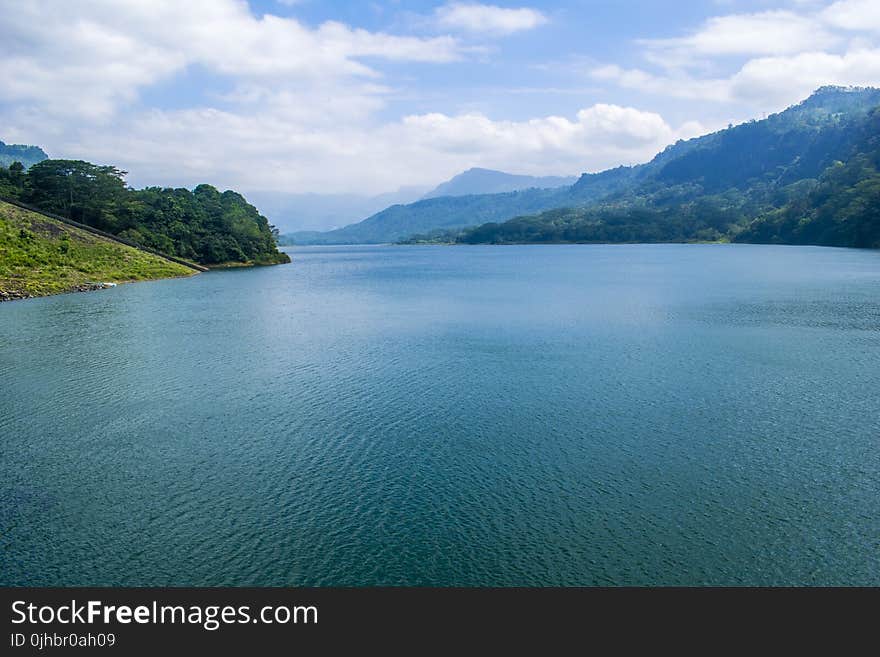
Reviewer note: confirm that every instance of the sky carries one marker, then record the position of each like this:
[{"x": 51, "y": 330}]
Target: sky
[{"x": 365, "y": 97}]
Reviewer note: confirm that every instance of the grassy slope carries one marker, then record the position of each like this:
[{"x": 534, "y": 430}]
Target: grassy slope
[{"x": 40, "y": 256}]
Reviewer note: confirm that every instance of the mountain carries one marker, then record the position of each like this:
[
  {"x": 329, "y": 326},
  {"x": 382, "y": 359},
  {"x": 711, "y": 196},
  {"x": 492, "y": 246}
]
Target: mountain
[
  {"x": 317, "y": 212},
  {"x": 446, "y": 212},
  {"x": 394, "y": 216},
  {"x": 807, "y": 175},
  {"x": 756, "y": 158},
  {"x": 40, "y": 255},
  {"x": 487, "y": 181},
  {"x": 27, "y": 155},
  {"x": 455, "y": 212}
]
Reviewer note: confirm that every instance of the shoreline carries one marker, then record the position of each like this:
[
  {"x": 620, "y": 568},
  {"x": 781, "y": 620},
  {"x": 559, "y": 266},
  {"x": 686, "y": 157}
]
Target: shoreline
[{"x": 9, "y": 296}]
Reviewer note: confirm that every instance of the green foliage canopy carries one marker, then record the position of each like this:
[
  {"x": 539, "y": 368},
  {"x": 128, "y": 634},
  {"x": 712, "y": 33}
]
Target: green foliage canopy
[{"x": 203, "y": 224}]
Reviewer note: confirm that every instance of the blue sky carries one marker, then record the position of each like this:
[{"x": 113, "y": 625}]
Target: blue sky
[{"x": 366, "y": 97}]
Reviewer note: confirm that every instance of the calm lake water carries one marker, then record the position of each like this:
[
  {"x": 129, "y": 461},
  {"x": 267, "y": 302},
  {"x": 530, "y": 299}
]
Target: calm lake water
[{"x": 534, "y": 415}]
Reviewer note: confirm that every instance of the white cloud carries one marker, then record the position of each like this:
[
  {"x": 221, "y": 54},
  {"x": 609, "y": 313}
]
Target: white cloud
[
  {"x": 765, "y": 33},
  {"x": 786, "y": 80},
  {"x": 859, "y": 15},
  {"x": 300, "y": 108},
  {"x": 765, "y": 61},
  {"x": 592, "y": 136},
  {"x": 297, "y": 107},
  {"x": 488, "y": 18},
  {"x": 90, "y": 56},
  {"x": 771, "y": 83},
  {"x": 679, "y": 85},
  {"x": 209, "y": 144}
]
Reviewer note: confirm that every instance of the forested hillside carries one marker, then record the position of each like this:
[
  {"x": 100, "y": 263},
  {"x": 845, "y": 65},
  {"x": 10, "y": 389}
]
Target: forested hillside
[
  {"x": 842, "y": 208},
  {"x": 808, "y": 175},
  {"x": 204, "y": 224}
]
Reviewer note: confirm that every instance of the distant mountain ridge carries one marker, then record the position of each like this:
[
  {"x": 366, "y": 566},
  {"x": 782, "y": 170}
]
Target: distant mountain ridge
[
  {"x": 380, "y": 222},
  {"x": 323, "y": 212},
  {"x": 27, "y": 155},
  {"x": 754, "y": 158},
  {"x": 451, "y": 212},
  {"x": 807, "y": 175},
  {"x": 488, "y": 181}
]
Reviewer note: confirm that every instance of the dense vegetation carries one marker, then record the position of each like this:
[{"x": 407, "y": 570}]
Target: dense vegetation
[
  {"x": 808, "y": 175},
  {"x": 39, "y": 256},
  {"x": 203, "y": 225},
  {"x": 841, "y": 209}
]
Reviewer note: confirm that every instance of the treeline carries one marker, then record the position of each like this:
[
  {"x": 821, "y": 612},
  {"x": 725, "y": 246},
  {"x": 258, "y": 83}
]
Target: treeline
[{"x": 204, "y": 225}]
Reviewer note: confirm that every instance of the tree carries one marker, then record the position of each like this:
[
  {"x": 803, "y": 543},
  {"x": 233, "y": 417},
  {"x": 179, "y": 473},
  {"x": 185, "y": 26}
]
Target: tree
[
  {"x": 79, "y": 190},
  {"x": 16, "y": 174}
]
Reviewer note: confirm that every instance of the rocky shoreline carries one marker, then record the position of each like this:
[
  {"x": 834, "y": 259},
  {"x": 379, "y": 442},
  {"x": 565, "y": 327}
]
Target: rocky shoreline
[
  {"x": 18, "y": 295},
  {"x": 14, "y": 295}
]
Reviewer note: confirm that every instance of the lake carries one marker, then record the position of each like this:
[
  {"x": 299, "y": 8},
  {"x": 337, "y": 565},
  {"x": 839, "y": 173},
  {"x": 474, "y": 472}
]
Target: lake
[{"x": 521, "y": 415}]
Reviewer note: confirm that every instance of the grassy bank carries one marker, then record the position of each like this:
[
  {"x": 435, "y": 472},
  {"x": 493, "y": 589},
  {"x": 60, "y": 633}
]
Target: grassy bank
[{"x": 41, "y": 256}]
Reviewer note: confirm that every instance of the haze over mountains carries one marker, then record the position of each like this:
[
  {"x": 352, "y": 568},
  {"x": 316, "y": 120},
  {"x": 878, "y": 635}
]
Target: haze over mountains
[
  {"x": 487, "y": 181},
  {"x": 324, "y": 212},
  {"x": 706, "y": 188},
  {"x": 27, "y": 155}
]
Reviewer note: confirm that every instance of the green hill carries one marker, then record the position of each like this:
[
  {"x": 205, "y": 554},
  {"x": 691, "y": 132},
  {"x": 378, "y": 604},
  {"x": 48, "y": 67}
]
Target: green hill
[
  {"x": 203, "y": 225},
  {"x": 40, "y": 256}
]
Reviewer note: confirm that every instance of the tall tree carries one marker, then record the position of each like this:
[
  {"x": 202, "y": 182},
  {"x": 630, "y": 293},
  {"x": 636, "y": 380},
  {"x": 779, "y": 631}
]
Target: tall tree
[{"x": 82, "y": 191}]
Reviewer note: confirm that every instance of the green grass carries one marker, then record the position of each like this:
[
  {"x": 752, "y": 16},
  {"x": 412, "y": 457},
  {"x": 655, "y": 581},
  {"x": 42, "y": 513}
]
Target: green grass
[{"x": 41, "y": 256}]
